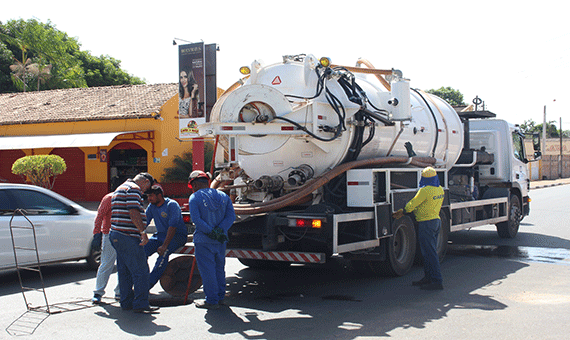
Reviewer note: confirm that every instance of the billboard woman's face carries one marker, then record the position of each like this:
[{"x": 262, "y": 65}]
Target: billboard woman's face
[{"x": 183, "y": 79}]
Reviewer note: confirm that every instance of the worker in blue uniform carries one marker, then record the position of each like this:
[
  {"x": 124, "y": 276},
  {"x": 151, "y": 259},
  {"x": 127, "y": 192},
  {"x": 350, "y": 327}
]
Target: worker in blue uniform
[
  {"x": 212, "y": 213},
  {"x": 426, "y": 205},
  {"x": 171, "y": 232}
]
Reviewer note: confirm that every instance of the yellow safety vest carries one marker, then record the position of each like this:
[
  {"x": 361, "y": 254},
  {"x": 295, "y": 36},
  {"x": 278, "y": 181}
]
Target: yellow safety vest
[{"x": 426, "y": 204}]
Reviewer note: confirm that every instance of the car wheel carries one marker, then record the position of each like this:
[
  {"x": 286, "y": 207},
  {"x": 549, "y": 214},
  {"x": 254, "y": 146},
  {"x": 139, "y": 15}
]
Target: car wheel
[{"x": 94, "y": 258}]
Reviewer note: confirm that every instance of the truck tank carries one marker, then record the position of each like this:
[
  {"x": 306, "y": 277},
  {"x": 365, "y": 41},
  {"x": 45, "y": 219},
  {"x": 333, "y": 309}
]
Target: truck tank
[{"x": 297, "y": 119}]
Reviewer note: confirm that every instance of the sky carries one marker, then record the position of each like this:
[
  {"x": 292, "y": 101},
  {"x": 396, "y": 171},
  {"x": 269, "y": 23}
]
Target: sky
[{"x": 514, "y": 55}]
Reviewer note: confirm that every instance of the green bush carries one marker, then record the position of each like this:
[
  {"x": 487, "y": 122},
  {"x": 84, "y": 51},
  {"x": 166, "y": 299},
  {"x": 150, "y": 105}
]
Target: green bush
[{"x": 40, "y": 170}]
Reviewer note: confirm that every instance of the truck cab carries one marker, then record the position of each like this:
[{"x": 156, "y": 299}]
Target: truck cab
[{"x": 509, "y": 167}]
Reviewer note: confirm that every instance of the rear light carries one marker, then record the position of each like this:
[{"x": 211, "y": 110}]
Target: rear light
[
  {"x": 186, "y": 218},
  {"x": 308, "y": 223}
]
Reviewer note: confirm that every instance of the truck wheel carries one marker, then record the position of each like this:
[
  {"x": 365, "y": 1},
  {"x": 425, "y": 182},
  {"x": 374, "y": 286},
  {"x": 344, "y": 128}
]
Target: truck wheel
[
  {"x": 401, "y": 247},
  {"x": 443, "y": 235},
  {"x": 510, "y": 228},
  {"x": 264, "y": 264}
]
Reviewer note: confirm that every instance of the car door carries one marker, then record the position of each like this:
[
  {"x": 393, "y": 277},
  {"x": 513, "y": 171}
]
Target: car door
[
  {"x": 22, "y": 237},
  {"x": 56, "y": 224}
]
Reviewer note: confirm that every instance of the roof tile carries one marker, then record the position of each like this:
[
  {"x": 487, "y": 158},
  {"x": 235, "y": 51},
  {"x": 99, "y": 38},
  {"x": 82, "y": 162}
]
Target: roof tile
[{"x": 80, "y": 104}]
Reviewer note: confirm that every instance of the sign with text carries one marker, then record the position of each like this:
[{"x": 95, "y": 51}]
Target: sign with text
[{"x": 191, "y": 89}]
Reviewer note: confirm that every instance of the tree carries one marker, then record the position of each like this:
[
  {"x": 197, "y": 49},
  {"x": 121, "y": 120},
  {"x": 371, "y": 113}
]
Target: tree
[
  {"x": 529, "y": 126},
  {"x": 450, "y": 95},
  {"x": 42, "y": 73},
  {"x": 21, "y": 73},
  {"x": 6, "y": 59},
  {"x": 44, "y": 45},
  {"x": 60, "y": 62},
  {"x": 105, "y": 71},
  {"x": 40, "y": 170},
  {"x": 183, "y": 165}
]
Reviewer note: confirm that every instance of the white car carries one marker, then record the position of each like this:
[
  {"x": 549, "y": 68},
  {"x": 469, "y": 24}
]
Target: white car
[{"x": 64, "y": 229}]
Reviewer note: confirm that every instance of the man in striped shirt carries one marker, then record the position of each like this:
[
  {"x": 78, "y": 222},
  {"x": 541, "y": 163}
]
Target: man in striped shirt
[{"x": 128, "y": 222}]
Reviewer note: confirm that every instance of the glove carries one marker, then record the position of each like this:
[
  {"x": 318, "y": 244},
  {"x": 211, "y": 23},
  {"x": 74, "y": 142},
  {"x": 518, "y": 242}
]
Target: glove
[
  {"x": 398, "y": 214},
  {"x": 97, "y": 240},
  {"x": 218, "y": 234},
  {"x": 409, "y": 149}
]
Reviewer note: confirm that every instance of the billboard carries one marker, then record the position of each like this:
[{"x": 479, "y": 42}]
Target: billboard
[{"x": 191, "y": 89}]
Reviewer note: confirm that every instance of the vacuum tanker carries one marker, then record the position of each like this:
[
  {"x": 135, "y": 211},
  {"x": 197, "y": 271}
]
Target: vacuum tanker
[{"x": 318, "y": 156}]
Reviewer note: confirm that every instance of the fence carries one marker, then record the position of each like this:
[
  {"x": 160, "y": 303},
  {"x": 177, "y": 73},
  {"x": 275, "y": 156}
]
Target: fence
[{"x": 550, "y": 167}]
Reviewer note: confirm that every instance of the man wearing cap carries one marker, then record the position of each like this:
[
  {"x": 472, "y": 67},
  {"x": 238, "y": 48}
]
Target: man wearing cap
[
  {"x": 213, "y": 214},
  {"x": 171, "y": 232},
  {"x": 128, "y": 238},
  {"x": 426, "y": 206}
]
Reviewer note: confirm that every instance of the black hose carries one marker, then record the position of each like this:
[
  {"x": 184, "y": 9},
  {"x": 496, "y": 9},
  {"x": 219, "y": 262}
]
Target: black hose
[{"x": 434, "y": 120}]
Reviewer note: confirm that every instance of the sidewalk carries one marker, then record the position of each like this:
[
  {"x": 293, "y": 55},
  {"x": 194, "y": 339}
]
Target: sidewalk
[{"x": 549, "y": 183}]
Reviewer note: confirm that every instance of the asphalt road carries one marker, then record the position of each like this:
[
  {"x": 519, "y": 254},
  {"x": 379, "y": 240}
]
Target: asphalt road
[{"x": 502, "y": 289}]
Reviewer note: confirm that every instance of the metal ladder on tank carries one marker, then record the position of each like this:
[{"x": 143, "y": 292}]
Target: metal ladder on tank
[{"x": 35, "y": 267}]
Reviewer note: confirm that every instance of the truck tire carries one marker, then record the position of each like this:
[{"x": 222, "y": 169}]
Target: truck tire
[
  {"x": 510, "y": 228},
  {"x": 264, "y": 264},
  {"x": 401, "y": 248},
  {"x": 443, "y": 235}
]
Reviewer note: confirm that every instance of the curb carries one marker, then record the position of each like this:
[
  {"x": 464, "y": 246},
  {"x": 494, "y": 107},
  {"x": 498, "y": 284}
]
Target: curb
[{"x": 547, "y": 185}]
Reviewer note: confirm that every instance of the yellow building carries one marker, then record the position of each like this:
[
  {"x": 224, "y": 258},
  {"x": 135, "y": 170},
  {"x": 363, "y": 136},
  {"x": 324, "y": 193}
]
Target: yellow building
[{"x": 104, "y": 134}]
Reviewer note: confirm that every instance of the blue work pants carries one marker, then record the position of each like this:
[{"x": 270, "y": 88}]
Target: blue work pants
[
  {"x": 162, "y": 261},
  {"x": 428, "y": 231},
  {"x": 132, "y": 269},
  {"x": 211, "y": 260}
]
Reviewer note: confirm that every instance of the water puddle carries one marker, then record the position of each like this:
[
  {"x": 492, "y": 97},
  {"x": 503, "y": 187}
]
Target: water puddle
[{"x": 529, "y": 254}]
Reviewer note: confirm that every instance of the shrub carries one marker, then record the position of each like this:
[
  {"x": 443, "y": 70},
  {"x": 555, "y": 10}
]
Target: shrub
[{"x": 40, "y": 170}]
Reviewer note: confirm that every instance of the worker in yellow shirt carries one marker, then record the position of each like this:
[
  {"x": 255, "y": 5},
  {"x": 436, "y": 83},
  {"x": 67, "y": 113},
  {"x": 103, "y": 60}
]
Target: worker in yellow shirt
[{"x": 425, "y": 206}]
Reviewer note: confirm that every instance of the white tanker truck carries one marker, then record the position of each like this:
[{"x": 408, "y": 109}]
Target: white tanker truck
[{"x": 317, "y": 157}]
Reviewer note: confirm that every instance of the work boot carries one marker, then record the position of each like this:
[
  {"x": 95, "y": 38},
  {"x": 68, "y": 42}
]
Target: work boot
[
  {"x": 206, "y": 305},
  {"x": 147, "y": 310}
]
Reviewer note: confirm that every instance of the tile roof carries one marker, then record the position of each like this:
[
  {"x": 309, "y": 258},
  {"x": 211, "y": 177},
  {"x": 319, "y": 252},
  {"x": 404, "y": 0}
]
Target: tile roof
[{"x": 84, "y": 104}]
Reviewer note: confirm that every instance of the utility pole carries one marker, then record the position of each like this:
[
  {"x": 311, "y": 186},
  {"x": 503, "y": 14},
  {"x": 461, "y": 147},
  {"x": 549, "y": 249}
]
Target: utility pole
[
  {"x": 560, "y": 163},
  {"x": 543, "y": 142}
]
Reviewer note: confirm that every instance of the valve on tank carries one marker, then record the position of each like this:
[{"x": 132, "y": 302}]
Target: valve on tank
[
  {"x": 268, "y": 183},
  {"x": 300, "y": 175}
]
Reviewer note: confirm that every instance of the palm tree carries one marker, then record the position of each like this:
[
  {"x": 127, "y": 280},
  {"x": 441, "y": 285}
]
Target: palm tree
[
  {"x": 42, "y": 73},
  {"x": 21, "y": 70}
]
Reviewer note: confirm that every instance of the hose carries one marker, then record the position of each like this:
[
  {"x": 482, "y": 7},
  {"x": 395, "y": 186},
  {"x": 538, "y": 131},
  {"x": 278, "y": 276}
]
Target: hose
[{"x": 317, "y": 182}]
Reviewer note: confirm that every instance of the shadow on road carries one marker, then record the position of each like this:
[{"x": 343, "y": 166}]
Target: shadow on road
[
  {"x": 141, "y": 325},
  {"x": 54, "y": 275},
  {"x": 333, "y": 300},
  {"x": 523, "y": 239}
]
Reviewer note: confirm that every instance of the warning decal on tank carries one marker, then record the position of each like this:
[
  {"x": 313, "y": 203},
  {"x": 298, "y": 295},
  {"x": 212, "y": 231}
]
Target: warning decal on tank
[{"x": 276, "y": 81}]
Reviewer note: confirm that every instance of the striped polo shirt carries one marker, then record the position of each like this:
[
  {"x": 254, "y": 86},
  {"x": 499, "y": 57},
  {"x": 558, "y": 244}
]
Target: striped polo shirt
[{"x": 127, "y": 196}]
